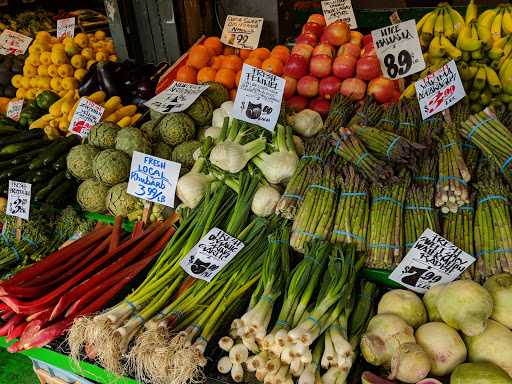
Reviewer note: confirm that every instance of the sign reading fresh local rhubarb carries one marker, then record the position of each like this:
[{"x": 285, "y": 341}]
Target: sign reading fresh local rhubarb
[
  {"x": 439, "y": 90},
  {"x": 65, "y": 28},
  {"x": 339, "y": 10},
  {"x": 14, "y": 109},
  {"x": 398, "y": 49},
  {"x": 432, "y": 260},
  {"x": 176, "y": 98},
  {"x": 212, "y": 253},
  {"x": 18, "y": 199},
  {"x": 86, "y": 115},
  {"x": 258, "y": 98},
  {"x": 13, "y": 43},
  {"x": 242, "y": 32},
  {"x": 153, "y": 179}
]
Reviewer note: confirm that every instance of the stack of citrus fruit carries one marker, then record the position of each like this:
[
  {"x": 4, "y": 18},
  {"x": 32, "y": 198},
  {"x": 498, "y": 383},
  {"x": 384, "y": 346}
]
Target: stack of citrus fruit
[
  {"x": 214, "y": 61},
  {"x": 60, "y": 66}
]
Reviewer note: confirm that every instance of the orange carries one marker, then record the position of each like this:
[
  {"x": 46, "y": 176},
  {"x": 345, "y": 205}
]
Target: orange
[
  {"x": 232, "y": 94},
  {"x": 273, "y": 65},
  {"x": 237, "y": 78},
  {"x": 214, "y": 43},
  {"x": 199, "y": 56},
  {"x": 254, "y": 62},
  {"x": 100, "y": 35},
  {"x": 188, "y": 62},
  {"x": 232, "y": 62},
  {"x": 260, "y": 53},
  {"x": 280, "y": 52},
  {"x": 244, "y": 54},
  {"x": 41, "y": 45},
  {"x": 227, "y": 50},
  {"x": 101, "y": 56},
  {"x": 89, "y": 63},
  {"x": 69, "y": 83},
  {"x": 226, "y": 77},
  {"x": 216, "y": 62},
  {"x": 187, "y": 74},
  {"x": 44, "y": 83},
  {"x": 206, "y": 74}
]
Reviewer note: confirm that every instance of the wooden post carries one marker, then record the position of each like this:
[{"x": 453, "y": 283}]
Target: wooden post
[
  {"x": 145, "y": 214},
  {"x": 18, "y": 229},
  {"x": 447, "y": 117}
]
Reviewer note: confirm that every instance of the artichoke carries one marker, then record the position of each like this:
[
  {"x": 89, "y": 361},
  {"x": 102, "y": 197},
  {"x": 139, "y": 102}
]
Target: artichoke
[
  {"x": 200, "y": 111},
  {"x": 162, "y": 150},
  {"x": 155, "y": 115},
  {"x": 91, "y": 196},
  {"x": 79, "y": 160},
  {"x": 131, "y": 139},
  {"x": 119, "y": 202},
  {"x": 151, "y": 131},
  {"x": 111, "y": 167},
  {"x": 176, "y": 128},
  {"x": 184, "y": 154},
  {"x": 103, "y": 134},
  {"x": 217, "y": 93}
]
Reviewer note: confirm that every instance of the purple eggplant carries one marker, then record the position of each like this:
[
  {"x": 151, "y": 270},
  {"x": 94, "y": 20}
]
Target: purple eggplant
[
  {"x": 147, "y": 84},
  {"x": 106, "y": 78},
  {"x": 90, "y": 83}
]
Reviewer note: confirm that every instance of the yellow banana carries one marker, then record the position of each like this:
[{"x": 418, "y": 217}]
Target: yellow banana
[
  {"x": 419, "y": 24},
  {"x": 478, "y": 55},
  {"x": 451, "y": 50},
  {"x": 466, "y": 42},
  {"x": 503, "y": 67},
  {"x": 487, "y": 17},
  {"x": 425, "y": 57},
  {"x": 506, "y": 22},
  {"x": 485, "y": 97},
  {"x": 448, "y": 26},
  {"x": 473, "y": 94},
  {"x": 492, "y": 79},
  {"x": 435, "y": 48},
  {"x": 457, "y": 20},
  {"x": 464, "y": 71},
  {"x": 438, "y": 26},
  {"x": 505, "y": 98},
  {"x": 409, "y": 92},
  {"x": 471, "y": 12},
  {"x": 479, "y": 79},
  {"x": 435, "y": 60},
  {"x": 484, "y": 34},
  {"x": 506, "y": 78},
  {"x": 473, "y": 71},
  {"x": 427, "y": 30},
  {"x": 496, "y": 26}
]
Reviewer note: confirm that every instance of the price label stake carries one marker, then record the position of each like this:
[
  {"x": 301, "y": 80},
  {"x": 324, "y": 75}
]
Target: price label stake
[
  {"x": 176, "y": 98},
  {"x": 14, "y": 109},
  {"x": 86, "y": 115},
  {"x": 432, "y": 260},
  {"x": 242, "y": 32},
  {"x": 398, "y": 50},
  {"x": 339, "y": 10},
  {"x": 395, "y": 19},
  {"x": 13, "y": 43},
  {"x": 65, "y": 28}
]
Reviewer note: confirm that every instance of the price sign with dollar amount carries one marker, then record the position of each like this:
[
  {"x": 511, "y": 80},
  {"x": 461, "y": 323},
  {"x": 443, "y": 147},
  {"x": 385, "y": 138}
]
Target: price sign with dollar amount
[
  {"x": 398, "y": 49},
  {"x": 432, "y": 260},
  {"x": 242, "y": 32},
  {"x": 18, "y": 199}
]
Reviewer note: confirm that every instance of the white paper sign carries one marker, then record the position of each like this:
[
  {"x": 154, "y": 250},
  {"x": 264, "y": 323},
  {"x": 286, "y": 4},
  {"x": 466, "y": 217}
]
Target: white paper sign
[
  {"x": 86, "y": 115},
  {"x": 439, "y": 90},
  {"x": 258, "y": 98},
  {"x": 65, "y": 28},
  {"x": 339, "y": 10},
  {"x": 14, "y": 109},
  {"x": 176, "y": 98},
  {"x": 18, "y": 199},
  {"x": 211, "y": 254},
  {"x": 398, "y": 49},
  {"x": 153, "y": 178},
  {"x": 242, "y": 32},
  {"x": 432, "y": 260},
  {"x": 13, "y": 43}
]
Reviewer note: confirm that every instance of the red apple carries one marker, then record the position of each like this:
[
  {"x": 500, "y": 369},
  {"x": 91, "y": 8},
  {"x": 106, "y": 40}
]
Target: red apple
[
  {"x": 368, "y": 67},
  {"x": 369, "y": 50},
  {"x": 296, "y": 104},
  {"x": 304, "y": 50},
  {"x": 314, "y": 28},
  {"x": 356, "y": 37},
  {"x": 367, "y": 40},
  {"x": 323, "y": 38},
  {"x": 329, "y": 86},
  {"x": 382, "y": 89},
  {"x": 324, "y": 49},
  {"x": 354, "y": 87},
  {"x": 290, "y": 87},
  {"x": 307, "y": 38},
  {"x": 317, "y": 18},
  {"x": 296, "y": 66},
  {"x": 307, "y": 86},
  {"x": 350, "y": 49},
  {"x": 319, "y": 105},
  {"x": 320, "y": 65},
  {"x": 338, "y": 33},
  {"x": 396, "y": 96},
  {"x": 344, "y": 66}
]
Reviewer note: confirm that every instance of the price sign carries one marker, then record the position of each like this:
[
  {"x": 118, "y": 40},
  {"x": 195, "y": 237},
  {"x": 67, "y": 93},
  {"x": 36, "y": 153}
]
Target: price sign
[
  {"x": 242, "y": 32},
  {"x": 153, "y": 178},
  {"x": 86, "y": 115},
  {"x": 433, "y": 260},
  {"x": 439, "y": 90},
  {"x": 339, "y": 10},
  {"x": 65, "y": 28},
  {"x": 398, "y": 49},
  {"x": 18, "y": 199},
  {"x": 176, "y": 98},
  {"x": 395, "y": 19},
  {"x": 13, "y": 43},
  {"x": 258, "y": 98},
  {"x": 212, "y": 253},
  {"x": 14, "y": 109}
]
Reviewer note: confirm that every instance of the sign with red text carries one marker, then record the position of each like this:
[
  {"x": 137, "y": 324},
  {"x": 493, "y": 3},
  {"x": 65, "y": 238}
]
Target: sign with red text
[
  {"x": 14, "y": 109},
  {"x": 339, "y": 10},
  {"x": 439, "y": 90},
  {"x": 13, "y": 43},
  {"x": 86, "y": 115},
  {"x": 65, "y": 28},
  {"x": 242, "y": 32}
]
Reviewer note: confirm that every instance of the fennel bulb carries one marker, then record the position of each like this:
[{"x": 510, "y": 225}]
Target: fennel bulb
[
  {"x": 299, "y": 145},
  {"x": 191, "y": 188},
  {"x": 232, "y": 156},
  {"x": 265, "y": 201},
  {"x": 213, "y": 132},
  {"x": 307, "y": 123},
  {"x": 219, "y": 114}
]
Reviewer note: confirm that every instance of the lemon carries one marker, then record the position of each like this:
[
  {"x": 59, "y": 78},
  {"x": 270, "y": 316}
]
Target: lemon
[
  {"x": 41, "y": 45},
  {"x": 44, "y": 83},
  {"x": 68, "y": 40},
  {"x": 56, "y": 83},
  {"x": 78, "y": 61},
  {"x": 82, "y": 40},
  {"x": 53, "y": 70},
  {"x": 16, "y": 81},
  {"x": 113, "y": 58},
  {"x": 21, "y": 93},
  {"x": 101, "y": 56},
  {"x": 34, "y": 82},
  {"x": 88, "y": 53},
  {"x": 89, "y": 63},
  {"x": 34, "y": 59},
  {"x": 29, "y": 70},
  {"x": 100, "y": 35},
  {"x": 45, "y": 58},
  {"x": 59, "y": 58},
  {"x": 69, "y": 83},
  {"x": 80, "y": 73},
  {"x": 58, "y": 47},
  {"x": 42, "y": 70}
]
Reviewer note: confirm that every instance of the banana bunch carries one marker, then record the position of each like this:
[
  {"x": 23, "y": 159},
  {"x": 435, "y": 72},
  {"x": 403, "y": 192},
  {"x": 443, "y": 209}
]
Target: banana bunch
[
  {"x": 441, "y": 48},
  {"x": 443, "y": 20},
  {"x": 498, "y": 21},
  {"x": 474, "y": 41}
]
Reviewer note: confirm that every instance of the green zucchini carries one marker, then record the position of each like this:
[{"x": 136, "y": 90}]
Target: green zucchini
[
  {"x": 42, "y": 194},
  {"x": 69, "y": 175},
  {"x": 44, "y": 174},
  {"x": 19, "y": 148},
  {"x": 4, "y": 188},
  {"x": 35, "y": 190},
  {"x": 26, "y": 157},
  {"x": 38, "y": 161},
  {"x": 26, "y": 177},
  {"x": 50, "y": 155},
  {"x": 60, "y": 164},
  {"x": 57, "y": 180},
  {"x": 29, "y": 135},
  {"x": 64, "y": 194},
  {"x": 13, "y": 172},
  {"x": 9, "y": 132}
]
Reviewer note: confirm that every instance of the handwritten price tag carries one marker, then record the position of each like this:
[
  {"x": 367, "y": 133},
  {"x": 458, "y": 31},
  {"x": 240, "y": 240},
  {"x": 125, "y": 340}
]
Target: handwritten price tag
[
  {"x": 18, "y": 199},
  {"x": 339, "y": 10},
  {"x": 153, "y": 178},
  {"x": 433, "y": 260},
  {"x": 212, "y": 253},
  {"x": 65, "y": 28},
  {"x": 86, "y": 115},
  {"x": 14, "y": 109},
  {"x": 13, "y": 43},
  {"x": 178, "y": 97},
  {"x": 242, "y": 32},
  {"x": 439, "y": 90}
]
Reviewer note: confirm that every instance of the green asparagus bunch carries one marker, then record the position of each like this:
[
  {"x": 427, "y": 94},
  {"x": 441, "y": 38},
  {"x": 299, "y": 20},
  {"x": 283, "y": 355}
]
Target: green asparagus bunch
[
  {"x": 460, "y": 113},
  {"x": 389, "y": 119},
  {"x": 339, "y": 112},
  {"x": 369, "y": 114},
  {"x": 409, "y": 121}
]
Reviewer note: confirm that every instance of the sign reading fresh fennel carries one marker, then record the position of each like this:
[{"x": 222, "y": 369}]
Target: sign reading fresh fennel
[
  {"x": 339, "y": 10},
  {"x": 432, "y": 260},
  {"x": 242, "y": 32},
  {"x": 176, "y": 98},
  {"x": 18, "y": 199},
  {"x": 212, "y": 253}
]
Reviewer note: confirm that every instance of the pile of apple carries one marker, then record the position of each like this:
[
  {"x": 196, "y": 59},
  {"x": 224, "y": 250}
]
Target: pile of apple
[{"x": 331, "y": 59}]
